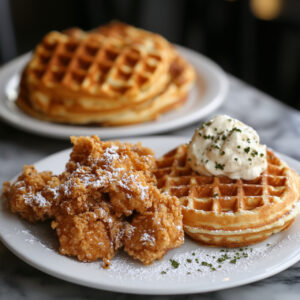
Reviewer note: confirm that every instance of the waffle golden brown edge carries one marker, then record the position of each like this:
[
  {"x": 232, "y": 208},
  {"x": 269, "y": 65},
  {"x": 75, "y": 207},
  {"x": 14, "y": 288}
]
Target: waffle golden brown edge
[
  {"x": 113, "y": 75},
  {"x": 223, "y": 211}
]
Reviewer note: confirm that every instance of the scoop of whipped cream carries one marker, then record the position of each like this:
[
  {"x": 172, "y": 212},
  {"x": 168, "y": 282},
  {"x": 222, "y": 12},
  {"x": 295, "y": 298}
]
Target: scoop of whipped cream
[{"x": 226, "y": 146}]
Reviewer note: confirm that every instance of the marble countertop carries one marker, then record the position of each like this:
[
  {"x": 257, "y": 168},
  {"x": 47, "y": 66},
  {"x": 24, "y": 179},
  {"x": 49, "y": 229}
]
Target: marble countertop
[{"x": 278, "y": 127}]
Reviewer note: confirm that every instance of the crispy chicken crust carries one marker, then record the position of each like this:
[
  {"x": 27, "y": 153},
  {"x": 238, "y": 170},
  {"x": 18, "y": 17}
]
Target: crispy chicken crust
[
  {"x": 151, "y": 234},
  {"x": 90, "y": 235},
  {"x": 106, "y": 196},
  {"x": 32, "y": 195}
]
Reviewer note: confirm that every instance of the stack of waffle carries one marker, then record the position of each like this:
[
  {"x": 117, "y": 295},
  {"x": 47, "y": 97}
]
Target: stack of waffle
[
  {"x": 221, "y": 211},
  {"x": 114, "y": 75}
]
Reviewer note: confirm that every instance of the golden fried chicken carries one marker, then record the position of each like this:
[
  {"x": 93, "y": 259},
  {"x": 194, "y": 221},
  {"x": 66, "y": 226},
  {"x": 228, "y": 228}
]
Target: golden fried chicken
[
  {"x": 105, "y": 185},
  {"x": 122, "y": 170},
  {"x": 129, "y": 193},
  {"x": 92, "y": 152},
  {"x": 90, "y": 235},
  {"x": 79, "y": 192},
  {"x": 151, "y": 234},
  {"x": 33, "y": 195}
]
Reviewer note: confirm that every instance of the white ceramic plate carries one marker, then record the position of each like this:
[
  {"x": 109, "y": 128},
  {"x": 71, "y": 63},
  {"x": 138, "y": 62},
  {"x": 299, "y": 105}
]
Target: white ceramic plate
[
  {"x": 37, "y": 245},
  {"x": 208, "y": 93}
]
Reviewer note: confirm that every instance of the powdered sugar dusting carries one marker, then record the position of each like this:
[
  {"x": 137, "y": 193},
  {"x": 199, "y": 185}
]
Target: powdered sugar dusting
[
  {"x": 110, "y": 154},
  {"x": 198, "y": 261},
  {"x": 32, "y": 237},
  {"x": 144, "y": 190},
  {"x": 54, "y": 191},
  {"x": 67, "y": 187},
  {"x": 128, "y": 180},
  {"x": 35, "y": 199},
  {"x": 103, "y": 171},
  {"x": 147, "y": 238}
]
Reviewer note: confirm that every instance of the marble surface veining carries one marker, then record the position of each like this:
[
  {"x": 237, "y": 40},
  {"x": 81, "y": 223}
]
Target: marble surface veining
[{"x": 278, "y": 127}]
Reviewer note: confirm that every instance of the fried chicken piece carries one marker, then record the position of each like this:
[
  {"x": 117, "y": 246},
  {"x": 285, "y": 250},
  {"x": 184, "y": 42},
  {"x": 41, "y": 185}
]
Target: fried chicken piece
[
  {"x": 121, "y": 170},
  {"x": 90, "y": 235},
  {"x": 79, "y": 192},
  {"x": 92, "y": 152},
  {"x": 151, "y": 234},
  {"x": 40, "y": 196},
  {"x": 129, "y": 193},
  {"x": 33, "y": 195},
  {"x": 103, "y": 183},
  {"x": 94, "y": 170}
]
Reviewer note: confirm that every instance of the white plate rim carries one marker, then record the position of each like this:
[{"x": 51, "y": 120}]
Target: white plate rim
[
  {"x": 211, "y": 73},
  {"x": 187, "y": 289}
]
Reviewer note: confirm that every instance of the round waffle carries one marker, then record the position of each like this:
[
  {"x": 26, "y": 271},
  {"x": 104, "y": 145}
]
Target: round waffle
[
  {"x": 220, "y": 211},
  {"x": 114, "y": 75}
]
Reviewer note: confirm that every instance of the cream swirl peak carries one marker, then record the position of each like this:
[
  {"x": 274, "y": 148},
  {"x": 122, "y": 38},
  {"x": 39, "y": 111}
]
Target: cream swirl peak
[{"x": 226, "y": 146}]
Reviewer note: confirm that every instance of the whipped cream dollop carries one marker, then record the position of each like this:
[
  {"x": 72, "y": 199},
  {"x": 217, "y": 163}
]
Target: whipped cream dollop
[{"x": 226, "y": 146}]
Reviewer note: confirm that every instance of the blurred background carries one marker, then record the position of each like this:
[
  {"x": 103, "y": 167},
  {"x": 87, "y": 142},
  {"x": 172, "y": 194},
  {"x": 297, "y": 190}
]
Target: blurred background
[{"x": 257, "y": 41}]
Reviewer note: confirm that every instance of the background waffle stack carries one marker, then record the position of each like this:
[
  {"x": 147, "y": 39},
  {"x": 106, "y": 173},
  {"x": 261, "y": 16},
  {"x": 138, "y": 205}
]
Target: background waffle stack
[
  {"x": 114, "y": 75},
  {"x": 220, "y": 211}
]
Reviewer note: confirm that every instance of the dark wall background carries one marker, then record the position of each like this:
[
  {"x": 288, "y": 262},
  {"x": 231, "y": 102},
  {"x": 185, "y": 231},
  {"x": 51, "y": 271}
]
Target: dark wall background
[{"x": 255, "y": 40}]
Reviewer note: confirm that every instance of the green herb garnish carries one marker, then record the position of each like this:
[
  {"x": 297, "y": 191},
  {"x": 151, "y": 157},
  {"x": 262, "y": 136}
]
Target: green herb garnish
[
  {"x": 254, "y": 153},
  {"x": 175, "y": 264},
  {"x": 247, "y": 149},
  {"x": 236, "y": 129},
  {"x": 219, "y": 166},
  {"x": 204, "y": 124},
  {"x": 206, "y": 137},
  {"x": 223, "y": 258}
]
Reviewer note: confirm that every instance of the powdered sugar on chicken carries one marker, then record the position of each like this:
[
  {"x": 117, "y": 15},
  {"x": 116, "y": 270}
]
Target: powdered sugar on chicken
[
  {"x": 36, "y": 199},
  {"x": 147, "y": 238},
  {"x": 103, "y": 184}
]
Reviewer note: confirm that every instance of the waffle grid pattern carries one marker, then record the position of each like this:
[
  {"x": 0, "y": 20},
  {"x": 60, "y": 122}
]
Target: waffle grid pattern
[
  {"x": 114, "y": 75},
  {"x": 95, "y": 64},
  {"x": 218, "y": 193}
]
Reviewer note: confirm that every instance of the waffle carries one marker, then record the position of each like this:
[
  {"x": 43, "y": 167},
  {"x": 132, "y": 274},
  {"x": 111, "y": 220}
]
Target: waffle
[
  {"x": 114, "y": 75},
  {"x": 220, "y": 211}
]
